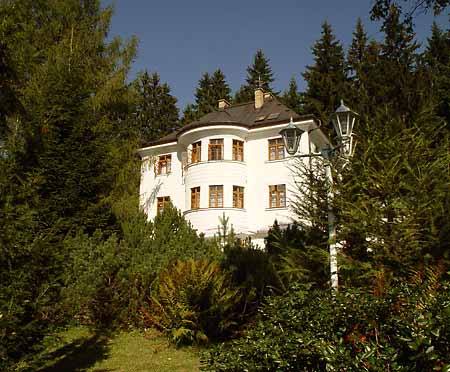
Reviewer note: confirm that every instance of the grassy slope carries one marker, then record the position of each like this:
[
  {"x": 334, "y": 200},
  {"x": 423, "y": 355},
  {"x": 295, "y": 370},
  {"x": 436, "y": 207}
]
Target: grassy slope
[{"x": 79, "y": 349}]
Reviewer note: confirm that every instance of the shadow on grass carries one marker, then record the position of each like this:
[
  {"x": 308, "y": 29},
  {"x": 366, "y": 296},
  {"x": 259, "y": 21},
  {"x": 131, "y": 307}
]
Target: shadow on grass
[{"x": 80, "y": 354}]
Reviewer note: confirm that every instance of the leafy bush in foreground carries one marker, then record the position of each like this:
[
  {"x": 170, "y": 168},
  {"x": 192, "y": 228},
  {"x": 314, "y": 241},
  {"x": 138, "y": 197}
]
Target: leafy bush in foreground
[
  {"x": 408, "y": 329},
  {"x": 108, "y": 280},
  {"x": 194, "y": 302}
]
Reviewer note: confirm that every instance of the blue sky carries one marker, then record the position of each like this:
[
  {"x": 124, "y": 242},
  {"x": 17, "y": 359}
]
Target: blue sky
[{"x": 182, "y": 39}]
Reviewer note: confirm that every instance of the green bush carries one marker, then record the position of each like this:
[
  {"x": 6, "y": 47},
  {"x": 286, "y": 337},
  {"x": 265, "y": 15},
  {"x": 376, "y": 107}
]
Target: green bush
[
  {"x": 107, "y": 280},
  {"x": 252, "y": 272},
  {"x": 194, "y": 302},
  {"x": 407, "y": 329}
]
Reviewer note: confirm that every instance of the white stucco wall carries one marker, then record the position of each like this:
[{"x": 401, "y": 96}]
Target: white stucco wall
[{"x": 255, "y": 174}]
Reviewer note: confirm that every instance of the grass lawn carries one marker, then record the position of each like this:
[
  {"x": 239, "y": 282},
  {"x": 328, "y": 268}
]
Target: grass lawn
[{"x": 80, "y": 349}]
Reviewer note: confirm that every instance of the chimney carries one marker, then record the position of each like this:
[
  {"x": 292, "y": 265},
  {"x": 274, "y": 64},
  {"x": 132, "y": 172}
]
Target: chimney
[
  {"x": 223, "y": 104},
  {"x": 259, "y": 98}
]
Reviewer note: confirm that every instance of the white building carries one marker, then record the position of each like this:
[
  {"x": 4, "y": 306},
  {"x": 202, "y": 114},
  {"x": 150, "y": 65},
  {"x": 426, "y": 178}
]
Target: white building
[{"x": 230, "y": 161}]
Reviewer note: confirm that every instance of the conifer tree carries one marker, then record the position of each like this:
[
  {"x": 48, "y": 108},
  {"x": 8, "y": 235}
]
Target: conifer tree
[
  {"x": 292, "y": 98},
  {"x": 156, "y": 110},
  {"x": 211, "y": 88},
  {"x": 190, "y": 114},
  {"x": 72, "y": 98},
  {"x": 221, "y": 89},
  {"x": 356, "y": 56},
  {"x": 437, "y": 60},
  {"x": 259, "y": 74},
  {"x": 326, "y": 79}
]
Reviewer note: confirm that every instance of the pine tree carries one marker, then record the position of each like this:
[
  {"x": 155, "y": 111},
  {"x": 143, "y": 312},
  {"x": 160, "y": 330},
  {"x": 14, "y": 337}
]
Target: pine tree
[
  {"x": 356, "y": 56},
  {"x": 292, "y": 98},
  {"x": 326, "y": 79},
  {"x": 398, "y": 64},
  {"x": 190, "y": 114},
  {"x": 437, "y": 61},
  {"x": 72, "y": 98},
  {"x": 156, "y": 110},
  {"x": 259, "y": 75},
  {"x": 221, "y": 89},
  {"x": 211, "y": 88}
]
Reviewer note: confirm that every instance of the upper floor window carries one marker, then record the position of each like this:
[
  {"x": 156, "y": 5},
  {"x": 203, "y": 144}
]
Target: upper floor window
[
  {"x": 195, "y": 198},
  {"x": 238, "y": 197},
  {"x": 215, "y": 149},
  {"x": 276, "y": 149},
  {"x": 164, "y": 164},
  {"x": 162, "y": 202},
  {"x": 216, "y": 196},
  {"x": 238, "y": 150},
  {"x": 277, "y": 196},
  {"x": 196, "y": 154}
]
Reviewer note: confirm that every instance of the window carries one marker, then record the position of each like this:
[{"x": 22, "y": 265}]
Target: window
[
  {"x": 276, "y": 149},
  {"x": 162, "y": 203},
  {"x": 195, "y": 198},
  {"x": 215, "y": 149},
  {"x": 196, "y": 154},
  {"x": 238, "y": 150},
  {"x": 277, "y": 196},
  {"x": 216, "y": 196},
  {"x": 164, "y": 164},
  {"x": 238, "y": 197}
]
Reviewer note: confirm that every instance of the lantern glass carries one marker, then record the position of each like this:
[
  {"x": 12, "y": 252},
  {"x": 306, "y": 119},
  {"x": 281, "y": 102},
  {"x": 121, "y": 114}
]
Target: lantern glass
[
  {"x": 291, "y": 138},
  {"x": 343, "y": 120}
]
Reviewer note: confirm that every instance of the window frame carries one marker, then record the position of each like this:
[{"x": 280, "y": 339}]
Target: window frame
[
  {"x": 238, "y": 197},
  {"x": 161, "y": 202},
  {"x": 279, "y": 192},
  {"x": 215, "y": 146},
  {"x": 238, "y": 150},
  {"x": 196, "y": 152},
  {"x": 195, "y": 197},
  {"x": 163, "y": 160},
  {"x": 215, "y": 194},
  {"x": 277, "y": 145}
]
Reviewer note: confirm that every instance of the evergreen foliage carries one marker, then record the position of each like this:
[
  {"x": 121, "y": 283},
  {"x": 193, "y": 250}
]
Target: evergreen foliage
[
  {"x": 292, "y": 98},
  {"x": 259, "y": 75},
  {"x": 437, "y": 61},
  {"x": 156, "y": 113},
  {"x": 107, "y": 281},
  {"x": 211, "y": 88},
  {"x": 405, "y": 329},
  {"x": 326, "y": 79},
  {"x": 66, "y": 94},
  {"x": 194, "y": 302}
]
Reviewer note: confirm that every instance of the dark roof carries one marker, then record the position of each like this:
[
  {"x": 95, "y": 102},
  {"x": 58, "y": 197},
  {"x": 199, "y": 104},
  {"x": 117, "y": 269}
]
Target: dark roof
[{"x": 271, "y": 113}]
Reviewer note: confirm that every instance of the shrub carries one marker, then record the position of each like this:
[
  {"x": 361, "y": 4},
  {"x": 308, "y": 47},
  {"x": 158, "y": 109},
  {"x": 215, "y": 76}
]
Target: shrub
[
  {"x": 405, "y": 330},
  {"x": 194, "y": 302},
  {"x": 109, "y": 279},
  {"x": 252, "y": 272}
]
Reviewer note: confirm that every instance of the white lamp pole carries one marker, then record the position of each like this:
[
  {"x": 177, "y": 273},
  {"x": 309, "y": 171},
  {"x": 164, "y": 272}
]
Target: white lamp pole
[{"x": 343, "y": 120}]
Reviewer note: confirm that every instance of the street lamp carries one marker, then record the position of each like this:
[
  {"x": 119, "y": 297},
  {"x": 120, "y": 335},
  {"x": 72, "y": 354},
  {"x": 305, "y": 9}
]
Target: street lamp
[{"x": 343, "y": 121}]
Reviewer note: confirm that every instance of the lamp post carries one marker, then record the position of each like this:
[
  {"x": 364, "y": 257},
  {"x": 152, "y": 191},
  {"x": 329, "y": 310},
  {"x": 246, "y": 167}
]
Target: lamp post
[{"x": 343, "y": 121}]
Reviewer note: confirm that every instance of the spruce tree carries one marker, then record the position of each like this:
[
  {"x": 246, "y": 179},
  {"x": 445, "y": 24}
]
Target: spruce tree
[
  {"x": 211, "y": 88},
  {"x": 221, "y": 89},
  {"x": 72, "y": 99},
  {"x": 326, "y": 79},
  {"x": 156, "y": 110},
  {"x": 259, "y": 75},
  {"x": 437, "y": 61},
  {"x": 292, "y": 98}
]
